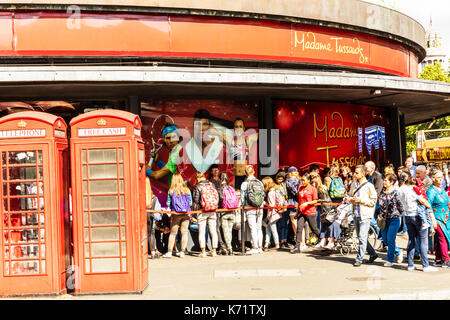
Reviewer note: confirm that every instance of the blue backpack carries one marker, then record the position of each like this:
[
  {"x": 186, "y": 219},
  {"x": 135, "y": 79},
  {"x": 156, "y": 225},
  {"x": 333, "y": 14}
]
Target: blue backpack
[
  {"x": 337, "y": 188},
  {"x": 180, "y": 203}
]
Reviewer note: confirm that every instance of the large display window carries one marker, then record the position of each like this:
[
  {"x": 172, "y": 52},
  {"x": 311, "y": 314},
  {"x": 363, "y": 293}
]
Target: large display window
[{"x": 208, "y": 132}]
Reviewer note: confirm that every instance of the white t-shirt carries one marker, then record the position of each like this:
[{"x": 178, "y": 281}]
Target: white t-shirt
[{"x": 408, "y": 198}]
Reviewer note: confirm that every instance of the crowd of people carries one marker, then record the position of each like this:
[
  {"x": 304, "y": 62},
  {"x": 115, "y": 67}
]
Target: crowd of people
[{"x": 410, "y": 200}]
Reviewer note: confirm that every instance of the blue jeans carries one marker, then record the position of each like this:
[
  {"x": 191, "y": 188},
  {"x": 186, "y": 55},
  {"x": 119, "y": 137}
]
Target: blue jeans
[
  {"x": 415, "y": 233},
  {"x": 283, "y": 224},
  {"x": 373, "y": 223},
  {"x": 319, "y": 225},
  {"x": 271, "y": 229},
  {"x": 362, "y": 231},
  {"x": 403, "y": 224},
  {"x": 391, "y": 228}
]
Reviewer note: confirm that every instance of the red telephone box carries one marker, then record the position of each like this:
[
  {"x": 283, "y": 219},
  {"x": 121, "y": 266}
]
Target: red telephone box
[
  {"x": 35, "y": 225},
  {"x": 108, "y": 192}
]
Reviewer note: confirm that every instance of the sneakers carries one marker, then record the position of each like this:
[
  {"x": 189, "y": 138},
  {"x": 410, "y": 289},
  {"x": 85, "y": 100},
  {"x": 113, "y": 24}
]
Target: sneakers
[
  {"x": 357, "y": 264},
  {"x": 180, "y": 254},
  {"x": 388, "y": 264},
  {"x": 260, "y": 250},
  {"x": 295, "y": 250},
  {"x": 372, "y": 258},
  {"x": 303, "y": 247},
  {"x": 213, "y": 253},
  {"x": 399, "y": 258},
  {"x": 203, "y": 254},
  {"x": 446, "y": 264},
  {"x": 429, "y": 269},
  {"x": 329, "y": 246},
  {"x": 437, "y": 264},
  {"x": 167, "y": 255},
  {"x": 426, "y": 225},
  {"x": 252, "y": 251},
  {"x": 412, "y": 268}
]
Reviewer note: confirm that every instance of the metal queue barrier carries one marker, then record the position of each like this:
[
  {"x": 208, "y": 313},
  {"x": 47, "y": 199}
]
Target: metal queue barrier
[
  {"x": 109, "y": 214},
  {"x": 34, "y": 224}
]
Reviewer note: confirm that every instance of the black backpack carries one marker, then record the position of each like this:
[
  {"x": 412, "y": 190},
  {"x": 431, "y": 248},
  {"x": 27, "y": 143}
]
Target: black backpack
[{"x": 255, "y": 192}]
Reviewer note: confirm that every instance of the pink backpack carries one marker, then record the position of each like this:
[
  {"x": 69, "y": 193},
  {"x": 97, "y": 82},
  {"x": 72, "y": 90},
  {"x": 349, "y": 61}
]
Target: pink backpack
[
  {"x": 230, "y": 198},
  {"x": 209, "y": 197}
]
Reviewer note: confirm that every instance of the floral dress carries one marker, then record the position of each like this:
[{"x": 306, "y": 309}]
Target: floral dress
[
  {"x": 439, "y": 200},
  {"x": 390, "y": 205}
]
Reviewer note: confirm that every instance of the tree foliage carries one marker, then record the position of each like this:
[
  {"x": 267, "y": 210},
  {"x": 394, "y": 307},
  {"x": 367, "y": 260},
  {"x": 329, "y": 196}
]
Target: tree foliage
[{"x": 433, "y": 72}]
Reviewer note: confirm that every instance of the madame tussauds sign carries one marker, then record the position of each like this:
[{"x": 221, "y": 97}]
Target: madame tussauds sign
[{"x": 330, "y": 47}]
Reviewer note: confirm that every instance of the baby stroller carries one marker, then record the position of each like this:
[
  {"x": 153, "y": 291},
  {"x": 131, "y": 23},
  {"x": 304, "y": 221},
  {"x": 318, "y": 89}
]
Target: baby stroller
[{"x": 348, "y": 240}]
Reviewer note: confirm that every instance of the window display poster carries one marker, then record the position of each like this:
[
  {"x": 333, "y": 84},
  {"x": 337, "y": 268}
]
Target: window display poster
[
  {"x": 187, "y": 136},
  {"x": 324, "y": 133}
]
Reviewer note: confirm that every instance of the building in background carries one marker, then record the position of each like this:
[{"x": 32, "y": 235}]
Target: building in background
[{"x": 435, "y": 48}]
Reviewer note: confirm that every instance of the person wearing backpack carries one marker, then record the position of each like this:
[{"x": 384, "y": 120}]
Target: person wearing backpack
[
  {"x": 228, "y": 199},
  {"x": 292, "y": 186},
  {"x": 337, "y": 188},
  {"x": 179, "y": 199},
  {"x": 206, "y": 198},
  {"x": 252, "y": 195},
  {"x": 273, "y": 199}
]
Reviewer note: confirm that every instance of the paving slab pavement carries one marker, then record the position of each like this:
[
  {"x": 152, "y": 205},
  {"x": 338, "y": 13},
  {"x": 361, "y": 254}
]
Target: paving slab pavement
[{"x": 279, "y": 275}]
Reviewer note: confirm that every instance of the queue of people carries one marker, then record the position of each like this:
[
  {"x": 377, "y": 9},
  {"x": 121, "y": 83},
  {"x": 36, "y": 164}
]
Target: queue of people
[{"x": 412, "y": 199}]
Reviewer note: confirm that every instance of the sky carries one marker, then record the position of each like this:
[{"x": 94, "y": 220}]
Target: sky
[{"x": 422, "y": 10}]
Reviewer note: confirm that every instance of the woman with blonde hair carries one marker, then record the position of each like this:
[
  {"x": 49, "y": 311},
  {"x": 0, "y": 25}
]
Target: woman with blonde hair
[
  {"x": 179, "y": 199},
  {"x": 273, "y": 197}
]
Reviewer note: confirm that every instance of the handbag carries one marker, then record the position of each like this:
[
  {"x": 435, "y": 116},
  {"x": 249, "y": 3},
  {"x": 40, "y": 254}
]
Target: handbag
[
  {"x": 381, "y": 221},
  {"x": 331, "y": 215}
]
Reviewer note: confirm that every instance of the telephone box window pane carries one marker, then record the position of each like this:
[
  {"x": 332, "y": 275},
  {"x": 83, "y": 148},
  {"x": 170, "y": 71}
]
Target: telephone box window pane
[
  {"x": 102, "y": 155},
  {"x": 42, "y": 220},
  {"x": 32, "y": 219},
  {"x": 106, "y": 265},
  {"x": 5, "y": 204},
  {"x": 43, "y": 266},
  {"x": 121, "y": 186},
  {"x": 104, "y": 217},
  {"x": 40, "y": 172},
  {"x": 122, "y": 202},
  {"x": 120, "y": 154},
  {"x": 105, "y": 233},
  {"x": 86, "y": 250},
  {"x": 105, "y": 249},
  {"x": 103, "y": 186},
  {"x": 6, "y": 252},
  {"x": 104, "y": 202},
  {"x": 5, "y": 236},
  {"x": 84, "y": 172},
  {"x": 84, "y": 187},
  {"x": 22, "y": 157},
  {"x": 25, "y": 267},
  {"x": 101, "y": 171},
  {"x": 83, "y": 156},
  {"x": 85, "y": 203},
  {"x": 23, "y": 173},
  {"x": 120, "y": 170},
  {"x": 42, "y": 251},
  {"x": 24, "y": 189},
  {"x": 87, "y": 265},
  {"x": 86, "y": 218},
  {"x": 4, "y": 158},
  {"x": 122, "y": 231},
  {"x": 124, "y": 249},
  {"x": 5, "y": 175},
  {"x": 86, "y": 234},
  {"x": 42, "y": 235},
  {"x": 16, "y": 252},
  {"x": 122, "y": 217},
  {"x": 124, "y": 264},
  {"x": 23, "y": 204},
  {"x": 7, "y": 268},
  {"x": 40, "y": 157}
]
